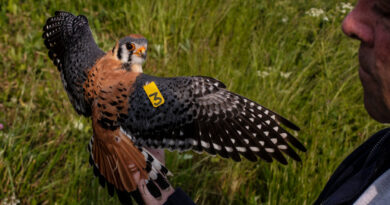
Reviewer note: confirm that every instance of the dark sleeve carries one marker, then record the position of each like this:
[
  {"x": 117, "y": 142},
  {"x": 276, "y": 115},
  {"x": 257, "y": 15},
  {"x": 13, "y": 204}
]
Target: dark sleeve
[
  {"x": 358, "y": 171},
  {"x": 179, "y": 197}
]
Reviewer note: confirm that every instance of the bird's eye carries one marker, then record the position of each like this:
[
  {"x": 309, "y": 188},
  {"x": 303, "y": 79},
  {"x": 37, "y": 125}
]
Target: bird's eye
[{"x": 130, "y": 46}]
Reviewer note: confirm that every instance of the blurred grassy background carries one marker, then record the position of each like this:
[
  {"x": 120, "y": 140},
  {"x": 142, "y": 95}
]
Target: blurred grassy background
[{"x": 283, "y": 54}]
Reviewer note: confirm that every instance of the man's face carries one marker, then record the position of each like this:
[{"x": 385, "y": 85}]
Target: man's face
[{"x": 369, "y": 22}]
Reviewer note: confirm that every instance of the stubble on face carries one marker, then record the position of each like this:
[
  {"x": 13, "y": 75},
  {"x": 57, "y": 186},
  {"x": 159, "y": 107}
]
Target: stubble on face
[
  {"x": 369, "y": 23},
  {"x": 374, "y": 73}
]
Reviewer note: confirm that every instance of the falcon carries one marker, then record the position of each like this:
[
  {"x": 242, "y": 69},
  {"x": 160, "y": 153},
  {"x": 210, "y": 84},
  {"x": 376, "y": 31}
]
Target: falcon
[{"x": 131, "y": 110}]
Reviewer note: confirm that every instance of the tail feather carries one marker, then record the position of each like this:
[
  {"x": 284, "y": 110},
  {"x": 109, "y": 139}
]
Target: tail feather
[{"x": 156, "y": 171}]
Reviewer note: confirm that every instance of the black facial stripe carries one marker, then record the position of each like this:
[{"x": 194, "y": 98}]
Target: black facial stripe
[
  {"x": 130, "y": 54},
  {"x": 119, "y": 54}
]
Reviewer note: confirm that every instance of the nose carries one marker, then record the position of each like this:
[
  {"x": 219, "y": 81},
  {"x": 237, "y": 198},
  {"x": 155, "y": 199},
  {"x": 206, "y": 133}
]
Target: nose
[{"x": 358, "y": 25}]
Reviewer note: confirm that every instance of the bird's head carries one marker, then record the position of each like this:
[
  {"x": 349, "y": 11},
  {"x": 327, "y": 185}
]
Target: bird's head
[{"x": 132, "y": 50}]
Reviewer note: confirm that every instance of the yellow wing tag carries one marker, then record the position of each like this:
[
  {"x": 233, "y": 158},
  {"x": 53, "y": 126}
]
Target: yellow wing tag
[{"x": 154, "y": 94}]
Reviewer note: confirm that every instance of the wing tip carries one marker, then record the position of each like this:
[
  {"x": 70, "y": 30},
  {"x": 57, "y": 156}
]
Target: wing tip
[
  {"x": 282, "y": 160},
  {"x": 288, "y": 123},
  {"x": 296, "y": 143}
]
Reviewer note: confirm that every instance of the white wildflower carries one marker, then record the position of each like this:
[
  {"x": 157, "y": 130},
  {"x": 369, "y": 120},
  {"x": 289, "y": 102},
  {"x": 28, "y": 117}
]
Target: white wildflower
[
  {"x": 344, "y": 7},
  {"x": 10, "y": 200},
  {"x": 314, "y": 12},
  {"x": 325, "y": 18},
  {"x": 262, "y": 74},
  {"x": 78, "y": 125},
  {"x": 284, "y": 19},
  {"x": 285, "y": 74}
]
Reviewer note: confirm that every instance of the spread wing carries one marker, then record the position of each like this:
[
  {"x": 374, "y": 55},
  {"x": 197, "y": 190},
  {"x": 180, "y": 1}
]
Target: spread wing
[
  {"x": 199, "y": 113},
  {"x": 74, "y": 51},
  {"x": 66, "y": 35}
]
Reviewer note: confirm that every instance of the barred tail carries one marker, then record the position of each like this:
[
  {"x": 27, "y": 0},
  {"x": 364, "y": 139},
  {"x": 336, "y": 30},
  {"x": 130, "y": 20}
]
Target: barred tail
[{"x": 156, "y": 171}]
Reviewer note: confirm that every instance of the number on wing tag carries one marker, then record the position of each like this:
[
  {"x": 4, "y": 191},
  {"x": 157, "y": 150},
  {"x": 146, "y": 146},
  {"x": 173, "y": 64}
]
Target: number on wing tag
[{"x": 154, "y": 94}]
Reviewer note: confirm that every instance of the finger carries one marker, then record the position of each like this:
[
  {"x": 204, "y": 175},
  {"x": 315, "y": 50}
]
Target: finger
[
  {"x": 143, "y": 190},
  {"x": 137, "y": 177},
  {"x": 167, "y": 192},
  {"x": 147, "y": 196}
]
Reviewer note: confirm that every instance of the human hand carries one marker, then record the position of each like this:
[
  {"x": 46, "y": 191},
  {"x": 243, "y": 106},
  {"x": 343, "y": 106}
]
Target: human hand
[{"x": 146, "y": 195}]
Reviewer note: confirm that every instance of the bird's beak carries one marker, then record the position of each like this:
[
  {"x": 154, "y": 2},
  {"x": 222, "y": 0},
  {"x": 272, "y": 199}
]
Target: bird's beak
[{"x": 141, "y": 52}]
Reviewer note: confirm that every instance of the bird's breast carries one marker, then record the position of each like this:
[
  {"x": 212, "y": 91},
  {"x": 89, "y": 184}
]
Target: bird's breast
[{"x": 107, "y": 89}]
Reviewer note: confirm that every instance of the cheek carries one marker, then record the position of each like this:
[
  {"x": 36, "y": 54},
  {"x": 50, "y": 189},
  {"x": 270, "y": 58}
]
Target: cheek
[
  {"x": 382, "y": 57},
  {"x": 382, "y": 45},
  {"x": 376, "y": 81}
]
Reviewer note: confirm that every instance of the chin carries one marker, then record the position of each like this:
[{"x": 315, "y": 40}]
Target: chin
[
  {"x": 377, "y": 108},
  {"x": 137, "y": 60},
  {"x": 375, "y": 95}
]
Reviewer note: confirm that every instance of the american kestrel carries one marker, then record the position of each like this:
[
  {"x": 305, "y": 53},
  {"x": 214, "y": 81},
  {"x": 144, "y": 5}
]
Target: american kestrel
[{"x": 131, "y": 110}]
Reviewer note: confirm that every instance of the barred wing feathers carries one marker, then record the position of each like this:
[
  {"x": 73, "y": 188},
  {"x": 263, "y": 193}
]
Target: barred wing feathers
[
  {"x": 74, "y": 51},
  {"x": 200, "y": 114},
  {"x": 62, "y": 34}
]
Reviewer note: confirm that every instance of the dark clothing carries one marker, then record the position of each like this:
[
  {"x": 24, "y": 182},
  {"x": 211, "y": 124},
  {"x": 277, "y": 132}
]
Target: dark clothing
[
  {"x": 358, "y": 171},
  {"x": 179, "y": 197}
]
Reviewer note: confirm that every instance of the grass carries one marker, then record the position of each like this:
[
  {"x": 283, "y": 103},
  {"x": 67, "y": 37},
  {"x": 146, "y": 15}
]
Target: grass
[{"x": 273, "y": 52}]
